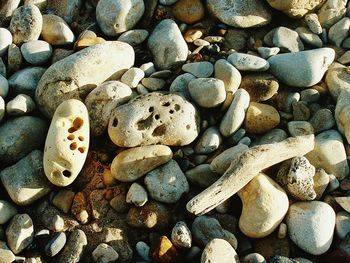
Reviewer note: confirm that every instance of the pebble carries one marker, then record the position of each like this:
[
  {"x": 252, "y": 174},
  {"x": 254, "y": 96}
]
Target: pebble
[
  {"x": 331, "y": 12},
  {"x": 241, "y": 14},
  {"x": 333, "y": 162},
  {"x": 339, "y": 31},
  {"x": 153, "y": 84},
  {"x": 192, "y": 34},
  {"x": 36, "y": 52},
  {"x": 345, "y": 58},
  {"x": 295, "y": 9},
  {"x": 181, "y": 235},
  {"x": 102, "y": 100},
  {"x": 313, "y": 23},
  {"x": 321, "y": 181},
  {"x": 266, "y": 52},
  {"x": 209, "y": 141},
  {"x": 246, "y": 62},
  {"x": 201, "y": 175},
  {"x": 148, "y": 68},
  {"x": 166, "y": 183},
  {"x": 199, "y": 69},
  {"x": 4, "y": 87},
  {"x": 164, "y": 251},
  {"x": 63, "y": 200},
  {"x": 26, "y": 80},
  {"x": 55, "y": 245},
  {"x": 261, "y": 118},
  {"x": 26, "y": 24},
  {"x": 343, "y": 202},
  {"x": 5, "y": 41},
  {"x": 20, "y": 136},
  {"x": 19, "y": 232},
  {"x": 2, "y": 68},
  {"x": 282, "y": 231},
  {"x": 167, "y": 45},
  {"x": 342, "y": 110},
  {"x": 6, "y": 255},
  {"x": 188, "y": 12},
  {"x": 311, "y": 226},
  {"x": 275, "y": 135},
  {"x": 272, "y": 245},
  {"x": 14, "y": 58},
  {"x": 180, "y": 85},
  {"x": 74, "y": 249},
  {"x": 143, "y": 250},
  {"x": 6, "y": 10},
  {"x": 136, "y": 195},
  {"x": 299, "y": 128},
  {"x": 201, "y": 43},
  {"x": 219, "y": 250},
  {"x": 309, "y": 37},
  {"x": 309, "y": 95},
  {"x": 2, "y": 108},
  {"x": 301, "y": 69},
  {"x": 253, "y": 258},
  {"x": 134, "y": 37},
  {"x": 322, "y": 120},
  {"x": 236, "y": 39},
  {"x": 132, "y": 77},
  {"x": 104, "y": 253},
  {"x": 287, "y": 40},
  {"x": 229, "y": 75},
  {"x": 7, "y": 211},
  {"x": 20, "y": 105},
  {"x": 56, "y": 31},
  {"x": 264, "y": 206},
  {"x": 342, "y": 224},
  {"x": 167, "y": 2}
]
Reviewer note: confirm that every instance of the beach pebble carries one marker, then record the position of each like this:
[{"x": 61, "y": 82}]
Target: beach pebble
[
  {"x": 143, "y": 250},
  {"x": 188, "y": 11},
  {"x": 164, "y": 251},
  {"x": 115, "y": 17},
  {"x": 153, "y": 84},
  {"x": 339, "y": 31},
  {"x": 26, "y": 80},
  {"x": 166, "y": 183},
  {"x": 287, "y": 40},
  {"x": 344, "y": 202},
  {"x": 63, "y": 200},
  {"x": 219, "y": 250},
  {"x": 309, "y": 95},
  {"x": 199, "y": 69},
  {"x": 136, "y": 195},
  {"x": 322, "y": 120},
  {"x": 2, "y": 108},
  {"x": 342, "y": 113},
  {"x": 311, "y": 226},
  {"x": 55, "y": 245},
  {"x": 36, "y": 52},
  {"x": 253, "y": 258},
  {"x": 20, "y": 105},
  {"x": 19, "y": 232},
  {"x": 6, "y": 255},
  {"x": 246, "y": 62},
  {"x": 201, "y": 175},
  {"x": 331, "y": 12},
  {"x": 342, "y": 224},
  {"x": 313, "y": 23},
  {"x": 148, "y": 68},
  {"x": 181, "y": 235},
  {"x": 295, "y": 9},
  {"x": 266, "y": 52},
  {"x": 7, "y": 211},
  {"x": 180, "y": 85},
  {"x": 56, "y": 31},
  {"x": 74, "y": 249},
  {"x": 5, "y": 40},
  {"x": 132, "y": 77},
  {"x": 299, "y": 128},
  {"x": 321, "y": 181},
  {"x": 4, "y": 86},
  {"x": 229, "y": 75},
  {"x": 2, "y": 67},
  {"x": 209, "y": 141},
  {"x": 104, "y": 253},
  {"x": 309, "y": 37},
  {"x": 134, "y": 37}
]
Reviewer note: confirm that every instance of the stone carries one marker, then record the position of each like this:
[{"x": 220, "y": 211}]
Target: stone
[
  {"x": 167, "y": 2},
  {"x": 313, "y": 23},
  {"x": 14, "y": 58},
  {"x": 188, "y": 12},
  {"x": 331, "y": 12},
  {"x": 333, "y": 162},
  {"x": 309, "y": 37},
  {"x": 322, "y": 120},
  {"x": 199, "y": 69},
  {"x": 4, "y": 86},
  {"x": 180, "y": 85},
  {"x": 115, "y": 17},
  {"x": 242, "y": 14},
  {"x": 260, "y": 86},
  {"x": 67, "y": 143},
  {"x": 345, "y": 58},
  {"x": 105, "y": 254},
  {"x": 219, "y": 250},
  {"x": 68, "y": 10},
  {"x": 205, "y": 229},
  {"x": 136, "y": 195},
  {"x": 246, "y": 62},
  {"x": 271, "y": 245},
  {"x": 63, "y": 200},
  {"x": 20, "y": 136},
  {"x": 301, "y": 69},
  {"x": 143, "y": 250},
  {"x": 209, "y": 141},
  {"x": 181, "y": 235},
  {"x": 60, "y": 53},
  {"x": 55, "y": 245},
  {"x": 56, "y": 31},
  {"x": 102, "y": 100},
  {"x": 132, "y": 77},
  {"x": 229, "y": 75},
  {"x": 261, "y": 118},
  {"x": 342, "y": 224},
  {"x": 192, "y": 34},
  {"x": 154, "y": 118},
  {"x": 295, "y": 9},
  {"x": 339, "y": 31},
  {"x": 20, "y": 105},
  {"x": 166, "y": 183},
  {"x": 19, "y": 232},
  {"x": 311, "y": 226},
  {"x": 26, "y": 24},
  {"x": 287, "y": 40},
  {"x": 2, "y": 68},
  {"x": 297, "y": 128},
  {"x": 164, "y": 251},
  {"x": 153, "y": 84},
  {"x": 74, "y": 249},
  {"x": 6, "y": 255},
  {"x": 309, "y": 95},
  {"x": 148, "y": 68},
  {"x": 74, "y": 76},
  {"x": 6, "y": 10},
  {"x": 253, "y": 258},
  {"x": 236, "y": 39},
  {"x": 5, "y": 41},
  {"x": 342, "y": 113},
  {"x": 26, "y": 80},
  {"x": 201, "y": 175},
  {"x": 266, "y": 52},
  {"x": 2, "y": 108},
  {"x": 343, "y": 201},
  {"x": 36, "y": 52},
  {"x": 321, "y": 181},
  {"x": 134, "y": 37},
  {"x": 264, "y": 210},
  {"x": 167, "y": 45},
  {"x": 7, "y": 211}
]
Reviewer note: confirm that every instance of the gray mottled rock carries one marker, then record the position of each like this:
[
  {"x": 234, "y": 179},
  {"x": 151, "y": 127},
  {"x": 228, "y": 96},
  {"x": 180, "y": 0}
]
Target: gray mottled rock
[
  {"x": 337, "y": 79},
  {"x": 246, "y": 62},
  {"x": 5, "y": 40},
  {"x": 199, "y": 69},
  {"x": 202, "y": 175},
  {"x": 105, "y": 254},
  {"x": 74, "y": 249},
  {"x": 153, "y": 84},
  {"x": 180, "y": 85},
  {"x": 19, "y": 232},
  {"x": 143, "y": 250},
  {"x": 219, "y": 250},
  {"x": 167, "y": 45},
  {"x": 309, "y": 37},
  {"x": 7, "y": 211},
  {"x": 254, "y": 258},
  {"x": 322, "y": 120},
  {"x": 331, "y": 12},
  {"x": 55, "y": 245},
  {"x": 309, "y": 95},
  {"x": 20, "y": 105},
  {"x": 181, "y": 235},
  {"x": 36, "y": 52},
  {"x": 275, "y": 135},
  {"x": 25, "y": 181},
  {"x": 342, "y": 224},
  {"x": 132, "y": 77},
  {"x": 6, "y": 10},
  {"x": 313, "y": 23},
  {"x": 339, "y": 31},
  {"x": 299, "y": 128},
  {"x": 209, "y": 141},
  {"x": 68, "y": 10},
  {"x": 287, "y": 40},
  {"x": 14, "y": 58},
  {"x": 134, "y": 37},
  {"x": 20, "y": 136},
  {"x": 266, "y": 52}
]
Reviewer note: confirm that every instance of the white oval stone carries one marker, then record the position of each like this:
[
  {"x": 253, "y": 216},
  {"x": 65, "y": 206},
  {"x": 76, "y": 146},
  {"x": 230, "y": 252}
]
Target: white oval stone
[
  {"x": 104, "y": 253},
  {"x": 199, "y": 69},
  {"x": 132, "y": 77},
  {"x": 136, "y": 195},
  {"x": 246, "y": 62},
  {"x": 219, "y": 250},
  {"x": 4, "y": 86},
  {"x": 5, "y": 40},
  {"x": 20, "y": 105},
  {"x": 36, "y": 52},
  {"x": 181, "y": 235}
]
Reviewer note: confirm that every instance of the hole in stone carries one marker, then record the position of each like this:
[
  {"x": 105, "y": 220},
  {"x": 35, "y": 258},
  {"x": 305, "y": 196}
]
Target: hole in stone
[
  {"x": 150, "y": 109},
  {"x": 145, "y": 124},
  {"x": 81, "y": 138},
  {"x": 157, "y": 116},
  {"x": 115, "y": 122},
  {"x": 77, "y": 123},
  {"x": 73, "y": 146},
  {"x": 66, "y": 173},
  {"x": 71, "y": 137},
  {"x": 159, "y": 131},
  {"x": 166, "y": 104},
  {"x": 188, "y": 126},
  {"x": 177, "y": 107},
  {"x": 171, "y": 111},
  {"x": 71, "y": 130},
  {"x": 81, "y": 149}
]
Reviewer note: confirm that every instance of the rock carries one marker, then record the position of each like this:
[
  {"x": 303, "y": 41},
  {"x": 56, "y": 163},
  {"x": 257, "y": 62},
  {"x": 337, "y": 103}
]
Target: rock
[
  {"x": 313, "y": 23},
  {"x": 14, "y": 58},
  {"x": 246, "y": 62},
  {"x": 105, "y": 254},
  {"x": 4, "y": 86},
  {"x": 56, "y": 31},
  {"x": 143, "y": 250},
  {"x": 20, "y": 105},
  {"x": 240, "y": 13},
  {"x": 136, "y": 195},
  {"x": 229, "y": 75},
  {"x": 342, "y": 224},
  {"x": 199, "y": 69},
  {"x": 266, "y": 52},
  {"x": 2, "y": 108},
  {"x": 7, "y": 211},
  {"x": 63, "y": 200},
  {"x": 309, "y": 95},
  {"x": 331, "y": 12},
  {"x": 148, "y": 68},
  {"x": 151, "y": 215},
  {"x": 134, "y": 37},
  {"x": 132, "y": 77},
  {"x": 260, "y": 86},
  {"x": 345, "y": 58},
  {"x": 205, "y": 229},
  {"x": 261, "y": 118},
  {"x": 219, "y": 250},
  {"x": 322, "y": 120},
  {"x": 253, "y": 258},
  {"x": 74, "y": 249},
  {"x": 67, "y": 143},
  {"x": 309, "y": 37},
  {"x": 20, "y": 136},
  {"x": 295, "y": 9},
  {"x": 68, "y": 10},
  {"x": 343, "y": 202},
  {"x": 26, "y": 80},
  {"x": 214, "y": 90},
  {"x": 321, "y": 181},
  {"x": 26, "y": 24},
  {"x": 298, "y": 128},
  {"x": 339, "y": 31},
  {"x": 102, "y": 100},
  {"x": 74, "y": 76},
  {"x": 6, "y": 255},
  {"x": 19, "y": 232},
  {"x": 333, "y": 162},
  {"x": 264, "y": 210},
  {"x": 181, "y": 235},
  {"x": 6, "y": 10},
  {"x": 166, "y": 183},
  {"x": 272, "y": 245},
  {"x": 301, "y": 69},
  {"x": 297, "y": 179},
  {"x": 287, "y": 40},
  {"x": 36, "y": 52},
  {"x": 153, "y": 84},
  {"x": 2, "y": 68},
  {"x": 115, "y": 17},
  {"x": 165, "y": 251},
  {"x": 311, "y": 226},
  {"x": 180, "y": 85},
  {"x": 5, "y": 41},
  {"x": 167, "y": 45},
  {"x": 154, "y": 118},
  {"x": 55, "y": 245},
  {"x": 188, "y": 11},
  {"x": 342, "y": 113},
  {"x": 209, "y": 141},
  {"x": 201, "y": 175},
  {"x": 236, "y": 39}
]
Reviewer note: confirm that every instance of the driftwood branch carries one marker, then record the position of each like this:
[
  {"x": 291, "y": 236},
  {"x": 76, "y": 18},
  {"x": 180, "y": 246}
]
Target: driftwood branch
[{"x": 244, "y": 168}]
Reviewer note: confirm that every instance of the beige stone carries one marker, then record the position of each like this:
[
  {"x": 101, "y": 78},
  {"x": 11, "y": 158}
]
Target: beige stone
[
  {"x": 188, "y": 11},
  {"x": 63, "y": 200},
  {"x": 67, "y": 143},
  {"x": 295, "y": 8},
  {"x": 56, "y": 31},
  {"x": 131, "y": 164}
]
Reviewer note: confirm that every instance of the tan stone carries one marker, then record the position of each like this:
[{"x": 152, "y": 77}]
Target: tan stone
[
  {"x": 87, "y": 42},
  {"x": 295, "y": 8},
  {"x": 63, "y": 200},
  {"x": 189, "y": 11},
  {"x": 165, "y": 251},
  {"x": 56, "y": 31}
]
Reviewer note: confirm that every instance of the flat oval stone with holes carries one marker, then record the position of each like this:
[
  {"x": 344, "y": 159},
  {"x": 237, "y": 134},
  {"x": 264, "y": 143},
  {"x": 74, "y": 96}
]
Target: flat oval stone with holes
[{"x": 67, "y": 142}]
